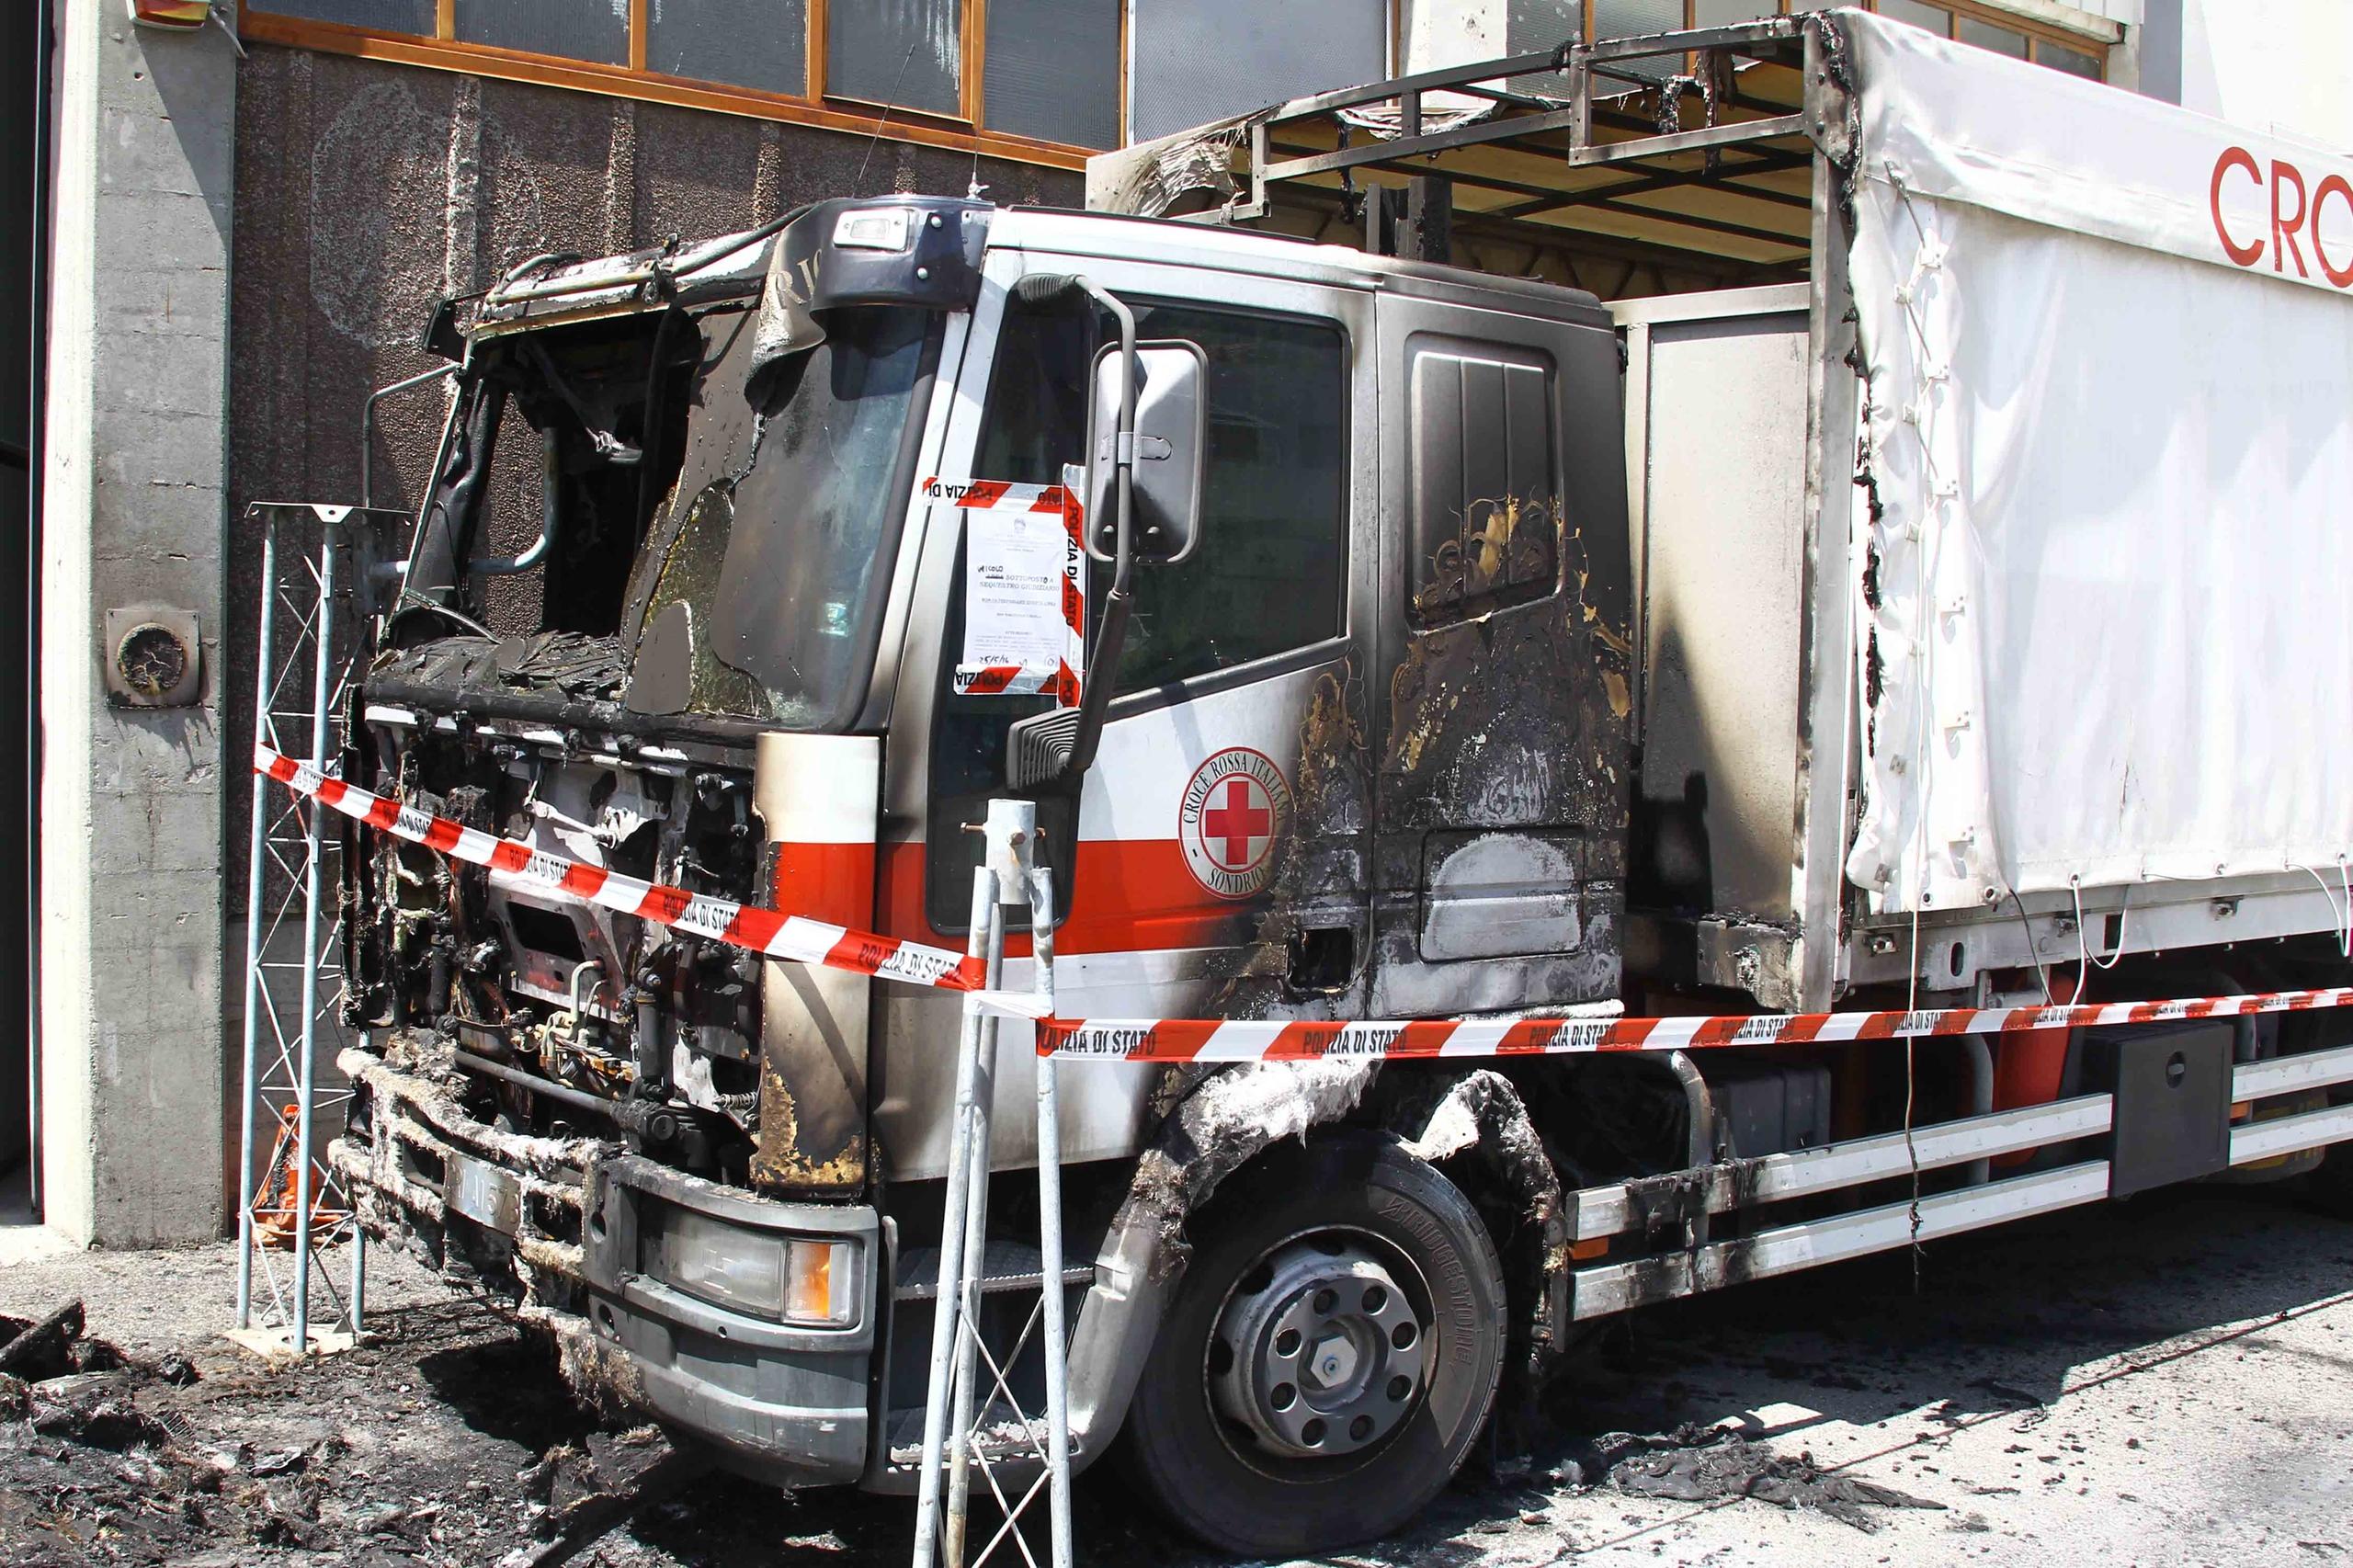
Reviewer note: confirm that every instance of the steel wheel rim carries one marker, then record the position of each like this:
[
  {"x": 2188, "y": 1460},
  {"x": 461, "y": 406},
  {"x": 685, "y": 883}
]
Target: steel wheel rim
[{"x": 1322, "y": 1349}]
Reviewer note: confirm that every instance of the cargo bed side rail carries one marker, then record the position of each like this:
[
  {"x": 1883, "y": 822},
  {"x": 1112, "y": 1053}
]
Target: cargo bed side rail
[{"x": 1689, "y": 1197}]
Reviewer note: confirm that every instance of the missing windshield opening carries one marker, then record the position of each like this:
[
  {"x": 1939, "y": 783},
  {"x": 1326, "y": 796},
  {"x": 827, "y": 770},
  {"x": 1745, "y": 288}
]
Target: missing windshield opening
[{"x": 568, "y": 439}]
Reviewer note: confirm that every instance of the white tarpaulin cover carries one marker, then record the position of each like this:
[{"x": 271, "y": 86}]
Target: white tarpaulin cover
[{"x": 2104, "y": 630}]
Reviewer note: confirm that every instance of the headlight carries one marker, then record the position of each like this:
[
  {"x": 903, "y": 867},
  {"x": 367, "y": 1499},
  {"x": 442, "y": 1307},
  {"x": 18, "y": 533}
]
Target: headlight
[{"x": 794, "y": 1279}]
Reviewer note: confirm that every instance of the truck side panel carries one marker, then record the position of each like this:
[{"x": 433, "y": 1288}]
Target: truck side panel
[{"x": 1721, "y": 469}]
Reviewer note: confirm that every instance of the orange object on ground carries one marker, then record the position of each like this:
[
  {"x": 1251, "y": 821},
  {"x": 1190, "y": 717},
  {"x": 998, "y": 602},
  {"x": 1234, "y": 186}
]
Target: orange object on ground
[{"x": 276, "y": 1199}]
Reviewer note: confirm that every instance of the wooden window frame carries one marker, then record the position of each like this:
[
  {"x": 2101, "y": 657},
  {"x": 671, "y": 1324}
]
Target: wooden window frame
[{"x": 814, "y": 107}]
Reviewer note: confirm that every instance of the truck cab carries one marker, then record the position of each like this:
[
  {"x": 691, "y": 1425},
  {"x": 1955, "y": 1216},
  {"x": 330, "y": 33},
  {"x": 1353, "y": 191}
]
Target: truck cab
[{"x": 694, "y": 599}]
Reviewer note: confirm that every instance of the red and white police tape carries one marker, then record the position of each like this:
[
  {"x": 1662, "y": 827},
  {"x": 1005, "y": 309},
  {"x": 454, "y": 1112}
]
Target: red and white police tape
[
  {"x": 1203, "y": 1040},
  {"x": 803, "y": 940},
  {"x": 997, "y": 495},
  {"x": 767, "y": 931}
]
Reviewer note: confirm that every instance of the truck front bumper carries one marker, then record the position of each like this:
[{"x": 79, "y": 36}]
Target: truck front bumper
[{"x": 567, "y": 1225}]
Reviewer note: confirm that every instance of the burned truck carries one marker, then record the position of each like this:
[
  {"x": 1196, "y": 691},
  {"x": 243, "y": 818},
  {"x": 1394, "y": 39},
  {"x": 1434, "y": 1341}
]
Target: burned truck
[{"x": 1635, "y": 768}]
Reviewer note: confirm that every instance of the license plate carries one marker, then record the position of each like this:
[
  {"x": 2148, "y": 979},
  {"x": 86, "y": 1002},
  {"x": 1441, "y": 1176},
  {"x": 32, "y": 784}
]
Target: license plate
[{"x": 483, "y": 1193}]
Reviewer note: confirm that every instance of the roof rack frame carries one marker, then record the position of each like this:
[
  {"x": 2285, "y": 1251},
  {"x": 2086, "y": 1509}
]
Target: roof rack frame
[{"x": 1559, "y": 127}]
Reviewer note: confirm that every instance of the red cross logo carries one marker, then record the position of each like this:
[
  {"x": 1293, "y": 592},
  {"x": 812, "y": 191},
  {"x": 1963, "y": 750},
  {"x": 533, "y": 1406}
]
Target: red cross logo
[
  {"x": 1244, "y": 819},
  {"x": 1233, "y": 813}
]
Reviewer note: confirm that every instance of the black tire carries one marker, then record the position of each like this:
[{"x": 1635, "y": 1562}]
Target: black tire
[{"x": 1206, "y": 1470}]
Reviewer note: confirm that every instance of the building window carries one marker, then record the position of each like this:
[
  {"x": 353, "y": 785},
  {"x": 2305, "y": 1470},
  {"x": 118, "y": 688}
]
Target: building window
[
  {"x": 903, "y": 54},
  {"x": 1046, "y": 81},
  {"x": 1051, "y": 69},
  {"x": 1976, "y": 22},
  {"x": 1194, "y": 61},
  {"x": 760, "y": 44},
  {"x": 414, "y": 16},
  {"x": 1036, "y": 80},
  {"x": 562, "y": 28},
  {"x": 2074, "y": 62}
]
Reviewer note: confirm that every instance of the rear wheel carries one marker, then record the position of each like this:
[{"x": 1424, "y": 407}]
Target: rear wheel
[{"x": 1330, "y": 1357}]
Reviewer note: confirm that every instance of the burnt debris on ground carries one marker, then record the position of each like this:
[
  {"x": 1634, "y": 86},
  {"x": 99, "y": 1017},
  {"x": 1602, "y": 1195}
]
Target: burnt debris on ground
[
  {"x": 447, "y": 1442},
  {"x": 1702, "y": 1464}
]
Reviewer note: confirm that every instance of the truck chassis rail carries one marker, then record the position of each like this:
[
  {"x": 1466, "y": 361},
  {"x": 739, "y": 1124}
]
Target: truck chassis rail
[{"x": 1692, "y": 1196}]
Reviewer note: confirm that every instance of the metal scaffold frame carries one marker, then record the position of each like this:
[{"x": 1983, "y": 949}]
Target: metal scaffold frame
[
  {"x": 314, "y": 557},
  {"x": 964, "y": 1417}
]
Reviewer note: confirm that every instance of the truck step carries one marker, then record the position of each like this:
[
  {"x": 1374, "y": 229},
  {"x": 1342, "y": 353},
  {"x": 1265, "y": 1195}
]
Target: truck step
[{"x": 1010, "y": 1444}]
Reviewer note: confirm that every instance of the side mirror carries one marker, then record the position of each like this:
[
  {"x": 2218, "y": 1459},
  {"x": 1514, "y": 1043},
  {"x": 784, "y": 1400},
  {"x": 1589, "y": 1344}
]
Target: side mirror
[{"x": 1171, "y": 447}]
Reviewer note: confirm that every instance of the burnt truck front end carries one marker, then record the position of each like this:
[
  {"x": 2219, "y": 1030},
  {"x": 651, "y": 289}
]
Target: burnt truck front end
[
  {"x": 637, "y": 630},
  {"x": 699, "y": 596}
]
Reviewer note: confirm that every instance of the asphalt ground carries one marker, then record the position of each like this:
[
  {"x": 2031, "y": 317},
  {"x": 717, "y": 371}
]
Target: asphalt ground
[{"x": 2167, "y": 1381}]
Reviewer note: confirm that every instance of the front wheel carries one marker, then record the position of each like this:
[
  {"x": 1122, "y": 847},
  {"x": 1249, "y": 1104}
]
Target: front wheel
[{"x": 1330, "y": 1357}]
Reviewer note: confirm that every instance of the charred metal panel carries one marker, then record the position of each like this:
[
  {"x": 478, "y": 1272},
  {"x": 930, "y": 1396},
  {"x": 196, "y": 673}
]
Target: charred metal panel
[
  {"x": 1502, "y": 894},
  {"x": 1501, "y": 793}
]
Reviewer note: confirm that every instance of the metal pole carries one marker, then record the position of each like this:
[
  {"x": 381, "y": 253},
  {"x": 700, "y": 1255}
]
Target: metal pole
[
  {"x": 359, "y": 1270},
  {"x": 1010, "y": 827},
  {"x": 968, "y": 1282},
  {"x": 322, "y": 628},
  {"x": 257, "y": 841},
  {"x": 367, "y": 426},
  {"x": 951, "y": 1235},
  {"x": 35, "y": 26},
  {"x": 1050, "y": 1227}
]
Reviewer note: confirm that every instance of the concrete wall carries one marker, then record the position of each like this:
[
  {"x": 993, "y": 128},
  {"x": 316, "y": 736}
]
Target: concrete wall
[{"x": 135, "y": 475}]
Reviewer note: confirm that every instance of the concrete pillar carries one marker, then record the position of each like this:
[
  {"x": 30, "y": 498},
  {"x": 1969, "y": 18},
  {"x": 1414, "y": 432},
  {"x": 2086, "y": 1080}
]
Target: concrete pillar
[{"x": 130, "y": 799}]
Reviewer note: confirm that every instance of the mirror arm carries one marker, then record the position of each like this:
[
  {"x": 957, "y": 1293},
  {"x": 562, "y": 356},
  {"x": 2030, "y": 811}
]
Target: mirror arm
[{"x": 1103, "y": 661}]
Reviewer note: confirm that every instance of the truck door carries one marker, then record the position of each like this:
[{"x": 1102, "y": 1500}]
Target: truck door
[
  {"x": 1217, "y": 861},
  {"x": 1501, "y": 795},
  {"x": 1217, "y": 865}
]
